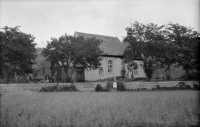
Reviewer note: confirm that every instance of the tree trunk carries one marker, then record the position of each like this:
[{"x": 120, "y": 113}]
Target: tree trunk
[
  {"x": 132, "y": 77},
  {"x": 168, "y": 74},
  {"x": 73, "y": 70},
  {"x": 128, "y": 74},
  {"x": 187, "y": 72},
  {"x": 7, "y": 78},
  {"x": 66, "y": 69},
  {"x": 145, "y": 69},
  {"x": 16, "y": 79}
]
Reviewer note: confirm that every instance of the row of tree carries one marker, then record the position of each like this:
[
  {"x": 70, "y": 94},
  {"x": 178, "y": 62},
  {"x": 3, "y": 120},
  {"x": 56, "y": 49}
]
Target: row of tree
[
  {"x": 160, "y": 46},
  {"x": 163, "y": 46}
]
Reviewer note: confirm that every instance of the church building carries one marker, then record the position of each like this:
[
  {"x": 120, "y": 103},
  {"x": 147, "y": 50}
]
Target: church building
[{"x": 112, "y": 61}]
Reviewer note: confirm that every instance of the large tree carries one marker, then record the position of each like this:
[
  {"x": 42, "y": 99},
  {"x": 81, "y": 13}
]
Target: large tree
[
  {"x": 74, "y": 51},
  {"x": 143, "y": 42},
  {"x": 17, "y": 52},
  {"x": 163, "y": 46},
  {"x": 184, "y": 43}
]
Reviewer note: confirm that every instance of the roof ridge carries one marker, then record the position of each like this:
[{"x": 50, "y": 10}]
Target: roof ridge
[
  {"x": 110, "y": 45},
  {"x": 96, "y": 34}
]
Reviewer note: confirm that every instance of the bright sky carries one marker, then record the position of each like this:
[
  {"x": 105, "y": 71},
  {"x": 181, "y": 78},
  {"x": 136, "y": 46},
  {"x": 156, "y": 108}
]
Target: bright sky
[{"x": 47, "y": 18}]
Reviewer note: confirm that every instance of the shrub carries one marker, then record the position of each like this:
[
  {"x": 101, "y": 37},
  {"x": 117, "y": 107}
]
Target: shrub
[
  {"x": 98, "y": 88},
  {"x": 64, "y": 88},
  {"x": 49, "y": 88},
  {"x": 36, "y": 80},
  {"x": 109, "y": 85},
  {"x": 181, "y": 84},
  {"x": 123, "y": 73},
  {"x": 80, "y": 80},
  {"x": 189, "y": 77},
  {"x": 140, "y": 79},
  {"x": 68, "y": 79},
  {"x": 196, "y": 86},
  {"x": 121, "y": 86},
  {"x": 57, "y": 88},
  {"x": 111, "y": 79},
  {"x": 120, "y": 78},
  {"x": 157, "y": 87}
]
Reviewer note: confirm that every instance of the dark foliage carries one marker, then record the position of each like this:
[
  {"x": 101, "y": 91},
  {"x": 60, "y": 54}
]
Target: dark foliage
[
  {"x": 70, "y": 88},
  {"x": 149, "y": 69},
  {"x": 57, "y": 88},
  {"x": 157, "y": 87},
  {"x": 121, "y": 86},
  {"x": 81, "y": 80},
  {"x": 17, "y": 53},
  {"x": 109, "y": 85},
  {"x": 99, "y": 88},
  {"x": 68, "y": 79},
  {"x": 49, "y": 88},
  {"x": 123, "y": 73},
  {"x": 196, "y": 86},
  {"x": 164, "y": 46},
  {"x": 36, "y": 80},
  {"x": 120, "y": 78},
  {"x": 140, "y": 79},
  {"x": 74, "y": 51},
  {"x": 190, "y": 77}
]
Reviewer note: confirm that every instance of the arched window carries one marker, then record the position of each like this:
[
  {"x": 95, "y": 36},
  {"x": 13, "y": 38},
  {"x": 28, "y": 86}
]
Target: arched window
[
  {"x": 110, "y": 66},
  {"x": 101, "y": 71}
]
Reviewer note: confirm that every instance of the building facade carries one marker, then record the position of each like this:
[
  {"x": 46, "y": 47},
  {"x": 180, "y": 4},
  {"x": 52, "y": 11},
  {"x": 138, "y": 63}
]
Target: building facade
[{"x": 112, "y": 60}]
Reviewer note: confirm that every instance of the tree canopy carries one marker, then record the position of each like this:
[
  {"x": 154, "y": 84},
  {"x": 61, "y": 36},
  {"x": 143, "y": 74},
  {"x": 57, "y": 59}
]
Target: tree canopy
[
  {"x": 184, "y": 45},
  {"x": 17, "y": 52},
  {"x": 74, "y": 51},
  {"x": 143, "y": 42},
  {"x": 162, "y": 46}
]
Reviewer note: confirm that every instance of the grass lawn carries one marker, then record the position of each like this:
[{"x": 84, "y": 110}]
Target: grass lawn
[{"x": 105, "y": 109}]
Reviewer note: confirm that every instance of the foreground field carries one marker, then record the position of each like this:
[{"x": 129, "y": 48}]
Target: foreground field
[{"x": 112, "y": 109}]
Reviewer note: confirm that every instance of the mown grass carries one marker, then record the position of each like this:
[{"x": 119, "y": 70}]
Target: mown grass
[{"x": 107, "y": 109}]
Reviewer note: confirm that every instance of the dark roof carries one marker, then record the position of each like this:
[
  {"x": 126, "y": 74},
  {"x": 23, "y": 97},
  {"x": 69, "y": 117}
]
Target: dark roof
[{"x": 110, "y": 45}]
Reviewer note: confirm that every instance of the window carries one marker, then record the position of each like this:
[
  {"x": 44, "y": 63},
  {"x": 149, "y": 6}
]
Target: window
[
  {"x": 136, "y": 72},
  {"x": 101, "y": 71},
  {"x": 110, "y": 66}
]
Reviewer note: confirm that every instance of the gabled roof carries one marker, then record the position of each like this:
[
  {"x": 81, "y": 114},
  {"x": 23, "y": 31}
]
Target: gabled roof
[{"x": 109, "y": 45}]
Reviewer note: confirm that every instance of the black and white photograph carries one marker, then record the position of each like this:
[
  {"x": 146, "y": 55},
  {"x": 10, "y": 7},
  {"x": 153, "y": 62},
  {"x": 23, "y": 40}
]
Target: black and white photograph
[{"x": 99, "y": 63}]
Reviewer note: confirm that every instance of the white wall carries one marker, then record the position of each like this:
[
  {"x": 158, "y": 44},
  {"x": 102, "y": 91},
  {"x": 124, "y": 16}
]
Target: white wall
[
  {"x": 93, "y": 75},
  {"x": 140, "y": 70}
]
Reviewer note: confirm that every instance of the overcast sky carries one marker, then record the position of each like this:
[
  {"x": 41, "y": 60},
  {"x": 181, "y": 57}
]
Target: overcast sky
[{"x": 46, "y": 18}]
